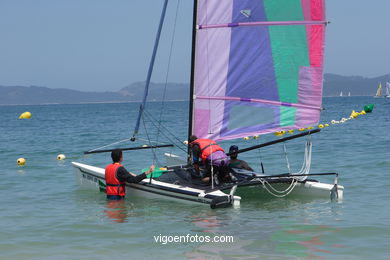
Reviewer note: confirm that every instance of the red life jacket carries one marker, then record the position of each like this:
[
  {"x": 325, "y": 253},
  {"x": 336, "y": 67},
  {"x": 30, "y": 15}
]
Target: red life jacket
[
  {"x": 113, "y": 185},
  {"x": 207, "y": 147}
]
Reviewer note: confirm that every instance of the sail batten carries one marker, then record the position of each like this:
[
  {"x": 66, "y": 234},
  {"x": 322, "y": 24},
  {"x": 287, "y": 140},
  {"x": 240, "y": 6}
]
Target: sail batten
[
  {"x": 276, "y": 103},
  {"x": 209, "y": 26},
  {"x": 258, "y": 66}
]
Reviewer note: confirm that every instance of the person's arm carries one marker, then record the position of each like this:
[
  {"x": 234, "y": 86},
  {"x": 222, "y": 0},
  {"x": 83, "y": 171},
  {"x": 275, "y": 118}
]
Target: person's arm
[
  {"x": 124, "y": 175},
  {"x": 246, "y": 166}
]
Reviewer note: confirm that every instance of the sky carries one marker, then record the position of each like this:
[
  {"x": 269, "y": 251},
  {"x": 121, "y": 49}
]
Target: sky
[{"x": 105, "y": 45}]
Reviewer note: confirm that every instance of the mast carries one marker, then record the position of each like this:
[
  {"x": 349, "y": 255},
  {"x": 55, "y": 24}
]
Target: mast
[
  {"x": 192, "y": 79},
  {"x": 142, "y": 106}
]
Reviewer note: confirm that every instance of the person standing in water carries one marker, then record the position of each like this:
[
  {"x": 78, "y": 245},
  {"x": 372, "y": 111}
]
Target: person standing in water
[{"x": 116, "y": 176}]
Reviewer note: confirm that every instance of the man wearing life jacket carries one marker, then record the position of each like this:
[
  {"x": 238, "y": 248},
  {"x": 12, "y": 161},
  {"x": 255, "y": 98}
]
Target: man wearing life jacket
[
  {"x": 212, "y": 156},
  {"x": 116, "y": 177}
]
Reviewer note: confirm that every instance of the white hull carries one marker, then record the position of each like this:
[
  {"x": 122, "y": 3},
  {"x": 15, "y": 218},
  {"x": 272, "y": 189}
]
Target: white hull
[{"x": 89, "y": 176}]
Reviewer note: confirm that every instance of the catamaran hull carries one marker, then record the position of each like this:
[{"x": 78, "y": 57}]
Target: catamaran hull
[
  {"x": 92, "y": 177},
  {"x": 308, "y": 189},
  {"x": 256, "y": 189}
]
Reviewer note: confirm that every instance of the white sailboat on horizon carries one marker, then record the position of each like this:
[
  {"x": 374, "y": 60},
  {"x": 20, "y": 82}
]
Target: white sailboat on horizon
[{"x": 387, "y": 90}]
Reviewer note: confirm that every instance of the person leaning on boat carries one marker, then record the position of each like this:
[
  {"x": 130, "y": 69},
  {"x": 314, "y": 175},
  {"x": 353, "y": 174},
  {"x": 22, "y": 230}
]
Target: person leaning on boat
[
  {"x": 237, "y": 163},
  {"x": 209, "y": 153},
  {"x": 116, "y": 176}
]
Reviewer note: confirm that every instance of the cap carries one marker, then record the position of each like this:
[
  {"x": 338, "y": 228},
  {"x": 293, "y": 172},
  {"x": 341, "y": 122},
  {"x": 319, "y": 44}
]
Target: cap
[{"x": 233, "y": 148}]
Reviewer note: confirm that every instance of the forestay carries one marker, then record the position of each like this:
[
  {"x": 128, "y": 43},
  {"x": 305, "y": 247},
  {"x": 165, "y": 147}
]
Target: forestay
[{"x": 258, "y": 66}]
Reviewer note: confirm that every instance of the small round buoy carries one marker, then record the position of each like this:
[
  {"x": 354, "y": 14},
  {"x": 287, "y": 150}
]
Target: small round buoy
[
  {"x": 301, "y": 129},
  {"x": 21, "y": 161},
  {"x": 25, "y": 115},
  {"x": 321, "y": 126},
  {"x": 310, "y": 127},
  {"x": 326, "y": 125},
  {"x": 185, "y": 142},
  {"x": 61, "y": 157},
  {"x": 333, "y": 122},
  {"x": 291, "y": 131},
  {"x": 145, "y": 145},
  {"x": 246, "y": 138},
  {"x": 256, "y": 137}
]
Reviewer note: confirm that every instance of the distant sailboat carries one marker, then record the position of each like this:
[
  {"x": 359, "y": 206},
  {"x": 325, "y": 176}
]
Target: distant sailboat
[
  {"x": 387, "y": 90},
  {"x": 349, "y": 94},
  {"x": 379, "y": 91},
  {"x": 341, "y": 94}
]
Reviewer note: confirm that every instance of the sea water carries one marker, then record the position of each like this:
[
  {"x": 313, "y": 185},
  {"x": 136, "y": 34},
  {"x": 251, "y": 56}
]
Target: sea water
[{"x": 45, "y": 215}]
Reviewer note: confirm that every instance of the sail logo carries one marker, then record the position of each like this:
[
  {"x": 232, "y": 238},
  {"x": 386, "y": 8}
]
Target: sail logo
[{"x": 246, "y": 13}]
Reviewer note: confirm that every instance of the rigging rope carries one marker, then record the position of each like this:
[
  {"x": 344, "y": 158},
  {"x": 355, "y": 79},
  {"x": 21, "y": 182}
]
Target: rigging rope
[
  {"x": 304, "y": 170},
  {"x": 208, "y": 71},
  {"x": 167, "y": 73},
  {"x": 280, "y": 195},
  {"x": 150, "y": 144},
  {"x": 285, "y": 154},
  {"x": 104, "y": 146},
  {"x": 177, "y": 139}
]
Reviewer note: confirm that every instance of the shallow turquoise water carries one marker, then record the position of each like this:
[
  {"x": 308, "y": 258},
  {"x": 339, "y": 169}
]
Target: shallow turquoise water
[{"x": 45, "y": 215}]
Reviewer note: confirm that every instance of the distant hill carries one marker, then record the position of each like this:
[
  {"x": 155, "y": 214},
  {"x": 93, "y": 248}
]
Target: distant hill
[
  {"x": 358, "y": 86},
  {"x": 43, "y": 95},
  {"x": 19, "y": 95},
  {"x": 173, "y": 91},
  {"x": 9, "y": 95}
]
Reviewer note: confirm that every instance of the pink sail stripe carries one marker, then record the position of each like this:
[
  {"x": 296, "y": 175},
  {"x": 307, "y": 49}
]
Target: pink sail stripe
[
  {"x": 277, "y": 103},
  {"x": 207, "y": 26}
]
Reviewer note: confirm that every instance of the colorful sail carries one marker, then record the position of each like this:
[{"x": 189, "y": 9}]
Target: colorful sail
[
  {"x": 258, "y": 66},
  {"x": 379, "y": 90}
]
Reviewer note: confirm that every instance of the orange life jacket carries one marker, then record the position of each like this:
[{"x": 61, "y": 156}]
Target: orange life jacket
[
  {"x": 207, "y": 147},
  {"x": 113, "y": 185}
]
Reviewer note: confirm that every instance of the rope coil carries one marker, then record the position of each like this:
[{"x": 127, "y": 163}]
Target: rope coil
[{"x": 304, "y": 170}]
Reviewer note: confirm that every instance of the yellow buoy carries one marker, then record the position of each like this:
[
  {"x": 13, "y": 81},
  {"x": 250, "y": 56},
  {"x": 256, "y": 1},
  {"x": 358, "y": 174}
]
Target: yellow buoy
[
  {"x": 326, "y": 125},
  {"x": 291, "y": 131},
  {"x": 21, "y": 161},
  {"x": 333, "y": 122},
  {"x": 301, "y": 129},
  {"x": 246, "y": 138},
  {"x": 354, "y": 114},
  {"x": 321, "y": 126},
  {"x": 256, "y": 137},
  {"x": 280, "y": 133},
  {"x": 61, "y": 157},
  {"x": 310, "y": 127},
  {"x": 25, "y": 115}
]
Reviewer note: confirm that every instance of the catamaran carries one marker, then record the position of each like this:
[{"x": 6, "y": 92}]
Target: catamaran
[{"x": 256, "y": 69}]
